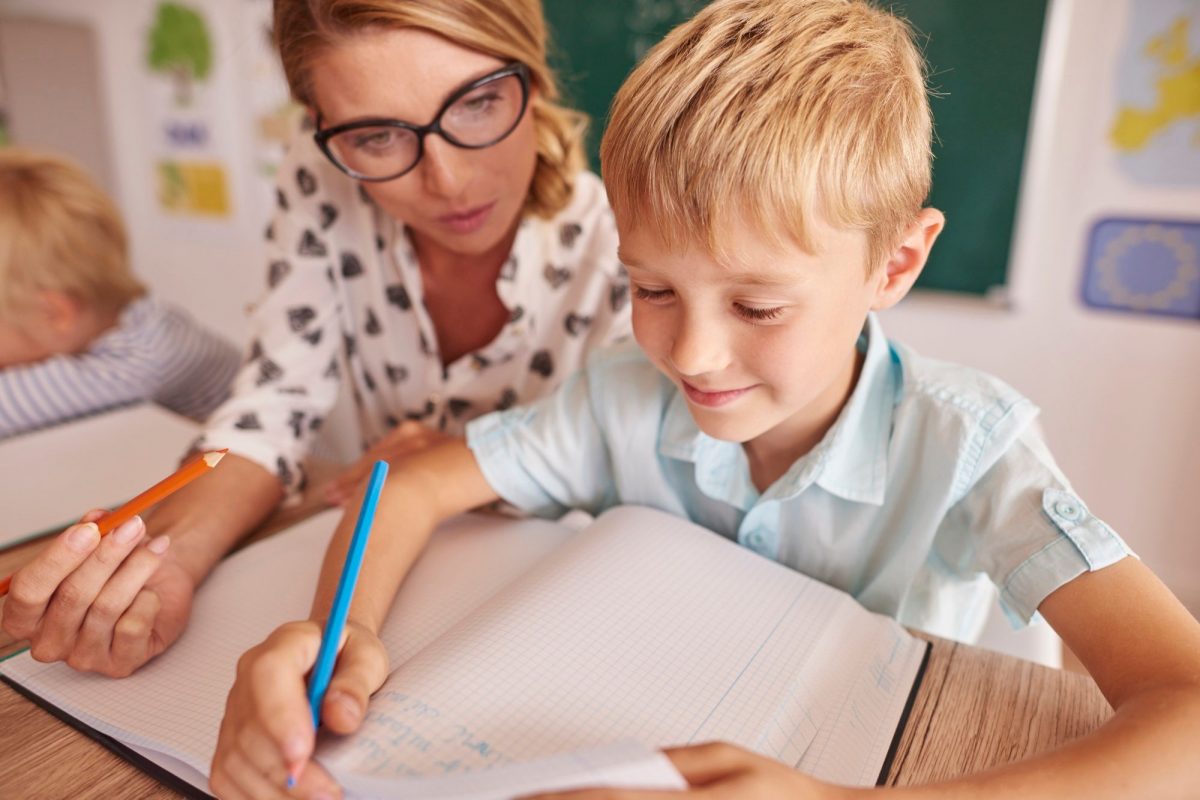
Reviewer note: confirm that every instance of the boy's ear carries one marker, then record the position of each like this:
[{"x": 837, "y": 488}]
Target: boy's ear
[
  {"x": 906, "y": 261},
  {"x": 60, "y": 311}
]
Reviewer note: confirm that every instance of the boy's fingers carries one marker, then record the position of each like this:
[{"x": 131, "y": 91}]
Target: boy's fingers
[
  {"x": 361, "y": 669},
  {"x": 275, "y": 674},
  {"x": 248, "y": 780},
  {"x": 704, "y": 763},
  {"x": 315, "y": 781}
]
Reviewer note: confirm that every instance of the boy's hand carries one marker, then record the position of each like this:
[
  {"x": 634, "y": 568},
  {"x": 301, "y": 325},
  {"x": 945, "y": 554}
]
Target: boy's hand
[
  {"x": 409, "y": 438},
  {"x": 722, "y": 772},
  {"x": 267, "y": 733},
  {"x": 105, "y": 605}
]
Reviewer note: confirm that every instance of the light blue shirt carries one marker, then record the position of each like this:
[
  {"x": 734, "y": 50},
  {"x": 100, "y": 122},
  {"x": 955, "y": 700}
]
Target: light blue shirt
[{"x": 932, "y": 485}]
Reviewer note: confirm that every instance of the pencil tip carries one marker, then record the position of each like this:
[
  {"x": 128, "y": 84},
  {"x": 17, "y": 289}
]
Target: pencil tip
[{"x": 213, "y": 457}]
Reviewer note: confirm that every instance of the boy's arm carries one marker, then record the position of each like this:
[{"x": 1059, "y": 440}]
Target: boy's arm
[
  {"x": 421, "y": 491},
  {"x": 268, "y": 729},
  {"x": 82, "y": 384}
]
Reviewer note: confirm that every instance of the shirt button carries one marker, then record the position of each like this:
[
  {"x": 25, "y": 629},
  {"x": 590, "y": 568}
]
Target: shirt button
[{"x": 1067, "y": 510}]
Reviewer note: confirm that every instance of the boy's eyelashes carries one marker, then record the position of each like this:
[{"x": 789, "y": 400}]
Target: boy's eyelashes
[
  {"x": 755, "y": 313},
  {"x": 750, "y": 312}
]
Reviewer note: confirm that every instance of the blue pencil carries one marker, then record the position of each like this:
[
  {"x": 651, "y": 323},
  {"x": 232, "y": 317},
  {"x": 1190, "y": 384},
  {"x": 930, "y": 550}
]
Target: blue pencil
[{"x": 322, "y": 671}]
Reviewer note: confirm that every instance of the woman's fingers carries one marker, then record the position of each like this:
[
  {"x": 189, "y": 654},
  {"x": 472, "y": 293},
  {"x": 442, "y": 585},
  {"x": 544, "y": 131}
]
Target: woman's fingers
[
  {"x": 35, "y": 584},
  {"x": 112, "y": 624},
  {"x": 408, "y": 438},
  {"x": 73, "y": 599}
]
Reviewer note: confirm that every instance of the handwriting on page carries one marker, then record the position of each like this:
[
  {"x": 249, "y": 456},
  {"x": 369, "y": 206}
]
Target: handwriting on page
[{"x": 405, "y": 736}]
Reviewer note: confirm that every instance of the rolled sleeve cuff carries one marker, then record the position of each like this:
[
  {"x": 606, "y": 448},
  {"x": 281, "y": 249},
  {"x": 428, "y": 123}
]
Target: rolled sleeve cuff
[
  {"x": 491, "y": 440},
  {"x": 284, "y": 466},
  {"x": 1084, "y": 544}
]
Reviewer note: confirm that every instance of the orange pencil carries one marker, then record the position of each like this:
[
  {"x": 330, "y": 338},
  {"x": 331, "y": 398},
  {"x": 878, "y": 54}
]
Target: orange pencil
[{"x": 181, "y": 477}]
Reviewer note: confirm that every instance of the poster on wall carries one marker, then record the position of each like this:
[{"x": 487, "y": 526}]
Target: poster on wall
[
  {"x": 275, "y": 117},
  {"x": 190, "y": 148},
  {"x": 1138, "y": 260}
]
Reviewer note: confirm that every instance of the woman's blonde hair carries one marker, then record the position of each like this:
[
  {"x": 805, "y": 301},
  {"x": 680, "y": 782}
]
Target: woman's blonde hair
[
  {"x": 511, "y": 30},
  {"x": 59, "y": 232},
  {"x": 773, "y": 111}
]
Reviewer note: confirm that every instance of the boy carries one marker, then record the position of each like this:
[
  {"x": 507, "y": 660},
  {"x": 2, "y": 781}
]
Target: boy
[
  {"x": 767, "y": 164},
  {"x": 77, "y": 333}
]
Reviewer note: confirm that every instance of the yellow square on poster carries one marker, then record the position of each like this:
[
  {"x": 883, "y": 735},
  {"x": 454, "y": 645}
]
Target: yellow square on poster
[{"x": 193, "y": 187}]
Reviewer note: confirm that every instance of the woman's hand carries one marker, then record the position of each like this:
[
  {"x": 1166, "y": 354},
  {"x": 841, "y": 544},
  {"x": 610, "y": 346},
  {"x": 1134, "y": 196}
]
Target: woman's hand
[
  {"x": 722, "y": 772},
  {"x": 267, "y": 733},
  {"x": 409, "y": 438},
  {"x": 105, "y": 605}
]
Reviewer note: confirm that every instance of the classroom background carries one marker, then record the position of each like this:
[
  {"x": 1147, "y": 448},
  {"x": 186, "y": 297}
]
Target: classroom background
[{"x": 1069, "y": 160}]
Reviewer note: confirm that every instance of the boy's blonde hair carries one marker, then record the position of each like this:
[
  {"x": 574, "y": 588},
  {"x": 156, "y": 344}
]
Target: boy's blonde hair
[
  {"x": 511, "y": 30},
  {"x": 773, "y": 112},
  {"x": 59, "y": 232}
]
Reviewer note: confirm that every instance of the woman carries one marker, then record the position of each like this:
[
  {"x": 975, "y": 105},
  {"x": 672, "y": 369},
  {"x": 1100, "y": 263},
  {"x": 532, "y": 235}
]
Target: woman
[{"x": 436, "y": 246}]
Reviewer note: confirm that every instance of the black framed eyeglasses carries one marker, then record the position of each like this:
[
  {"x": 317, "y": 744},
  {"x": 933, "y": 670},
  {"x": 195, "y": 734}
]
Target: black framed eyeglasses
[{"x": 480, "y": 114}]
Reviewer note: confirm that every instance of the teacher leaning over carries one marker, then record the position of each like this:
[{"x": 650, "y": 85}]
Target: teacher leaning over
[{"x": 437, "y": 249}]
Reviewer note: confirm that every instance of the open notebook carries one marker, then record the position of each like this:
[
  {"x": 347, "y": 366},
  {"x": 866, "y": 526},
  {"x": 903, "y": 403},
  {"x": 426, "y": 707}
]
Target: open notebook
[{"x": 514, "y": 640}]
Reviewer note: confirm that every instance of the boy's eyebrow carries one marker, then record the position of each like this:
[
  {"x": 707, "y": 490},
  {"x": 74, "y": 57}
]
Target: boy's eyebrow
[{"x": 767, "y": 279}]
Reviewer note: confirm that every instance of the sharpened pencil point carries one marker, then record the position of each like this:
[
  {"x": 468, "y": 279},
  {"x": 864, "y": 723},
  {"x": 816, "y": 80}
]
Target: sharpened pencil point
[{"x": 214, "y": 457}]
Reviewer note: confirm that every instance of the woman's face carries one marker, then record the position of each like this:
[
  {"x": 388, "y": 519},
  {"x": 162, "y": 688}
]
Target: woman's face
[{"x": 464, "y": 201}]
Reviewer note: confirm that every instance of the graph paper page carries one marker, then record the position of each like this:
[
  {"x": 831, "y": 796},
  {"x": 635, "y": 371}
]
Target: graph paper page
[
  {"x": 518, "y": 640},
  {"x": 643, "y": 627},
  {"x": 174, "y": 704}
]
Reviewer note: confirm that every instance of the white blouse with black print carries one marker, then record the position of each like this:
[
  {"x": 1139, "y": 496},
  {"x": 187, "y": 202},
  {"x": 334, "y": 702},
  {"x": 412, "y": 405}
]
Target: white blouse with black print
[{"x": 344, "y": 302}]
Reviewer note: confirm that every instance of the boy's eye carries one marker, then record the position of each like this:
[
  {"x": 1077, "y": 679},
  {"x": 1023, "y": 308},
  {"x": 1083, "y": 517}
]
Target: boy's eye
[
  {"x": 750, "y": 312},
  {"x": 643, "y": 293}
]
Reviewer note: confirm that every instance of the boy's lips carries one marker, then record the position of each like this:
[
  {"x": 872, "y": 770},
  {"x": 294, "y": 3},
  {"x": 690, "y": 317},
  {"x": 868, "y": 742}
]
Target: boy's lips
[{"x": 713, "y": 398}]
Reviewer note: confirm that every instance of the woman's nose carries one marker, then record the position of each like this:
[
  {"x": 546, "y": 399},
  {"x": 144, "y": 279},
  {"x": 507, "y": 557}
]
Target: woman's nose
[{"x": 444, "y": 168}]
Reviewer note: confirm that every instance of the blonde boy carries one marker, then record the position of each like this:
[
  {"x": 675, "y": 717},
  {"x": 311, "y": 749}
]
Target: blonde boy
[
  {"x": 77, "y": 333},
  {"x": 767, "y": 164}
]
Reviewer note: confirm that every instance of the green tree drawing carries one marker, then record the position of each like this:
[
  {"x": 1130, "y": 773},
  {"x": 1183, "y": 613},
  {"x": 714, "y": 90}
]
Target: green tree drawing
[{"x": 180, "y": 47}]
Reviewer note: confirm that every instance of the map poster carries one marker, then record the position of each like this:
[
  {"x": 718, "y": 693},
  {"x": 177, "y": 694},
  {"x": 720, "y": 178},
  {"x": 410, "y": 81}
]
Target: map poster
[
  {"x": 1143, "y": 245},
  {"x": 1155, "y": 133}
]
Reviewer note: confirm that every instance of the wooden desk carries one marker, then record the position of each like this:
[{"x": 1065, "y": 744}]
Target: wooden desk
[{"x": 974, "y": 709}]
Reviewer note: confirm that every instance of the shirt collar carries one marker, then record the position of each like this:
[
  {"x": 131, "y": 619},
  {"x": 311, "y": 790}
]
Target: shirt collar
[
  {"x": 850, "y": 461},
  {"x": 854, "y": 451}
]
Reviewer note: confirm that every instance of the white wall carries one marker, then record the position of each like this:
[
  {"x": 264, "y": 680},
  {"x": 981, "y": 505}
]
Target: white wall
[
  {"x": 1120, "y": 393},
  {"x": 213, "y": 268}
]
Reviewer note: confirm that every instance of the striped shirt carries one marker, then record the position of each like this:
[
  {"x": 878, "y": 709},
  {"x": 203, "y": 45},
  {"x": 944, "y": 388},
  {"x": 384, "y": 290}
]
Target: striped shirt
[{"x": 155, "y": 353}]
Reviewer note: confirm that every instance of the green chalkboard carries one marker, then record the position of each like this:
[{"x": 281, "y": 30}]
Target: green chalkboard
[{"x": 982, "y": 65}]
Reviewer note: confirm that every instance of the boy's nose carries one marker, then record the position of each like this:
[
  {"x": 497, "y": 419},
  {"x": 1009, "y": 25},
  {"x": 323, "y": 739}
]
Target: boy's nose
[
  {"x": 443, "y": 168},
  {"x": 699, "y": 347}
]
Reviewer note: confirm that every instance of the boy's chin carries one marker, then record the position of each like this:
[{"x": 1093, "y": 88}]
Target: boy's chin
[{"x": 727, "y": 429}]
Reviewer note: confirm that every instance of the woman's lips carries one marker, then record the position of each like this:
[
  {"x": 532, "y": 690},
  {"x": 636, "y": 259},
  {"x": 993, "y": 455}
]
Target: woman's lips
[
  {"x": 714, "y": 398},
  {"x": 468, "y": 221}
]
